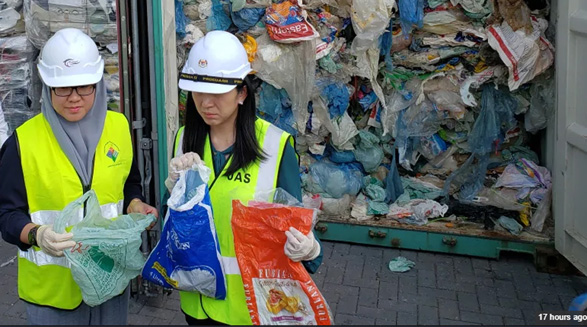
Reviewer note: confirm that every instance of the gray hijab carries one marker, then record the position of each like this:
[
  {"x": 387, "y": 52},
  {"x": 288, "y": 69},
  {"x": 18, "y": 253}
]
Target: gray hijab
[{"x": 78, "y": 140}]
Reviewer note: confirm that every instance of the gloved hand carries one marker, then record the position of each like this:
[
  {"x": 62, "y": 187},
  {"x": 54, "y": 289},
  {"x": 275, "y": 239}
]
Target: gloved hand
[
  {"x": 183, "y": 162},
  {"x": 53, "y": 243},
  {"x": 300, "y": 247}
]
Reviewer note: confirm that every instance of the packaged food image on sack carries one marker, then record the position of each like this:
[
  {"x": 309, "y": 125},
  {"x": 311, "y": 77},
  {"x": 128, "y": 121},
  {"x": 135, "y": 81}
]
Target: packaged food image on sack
[
  {"x": 278, "y": 290},
  {"x": 107, "y": 254},
  {"x": 187, "y": 256}
]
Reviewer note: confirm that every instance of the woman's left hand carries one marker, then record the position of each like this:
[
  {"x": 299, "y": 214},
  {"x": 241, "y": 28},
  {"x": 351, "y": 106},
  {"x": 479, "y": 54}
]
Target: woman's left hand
[{"x": 138, "y": 206}]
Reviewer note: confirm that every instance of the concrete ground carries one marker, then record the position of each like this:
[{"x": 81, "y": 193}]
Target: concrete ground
[{"x": 356, "y": 281}]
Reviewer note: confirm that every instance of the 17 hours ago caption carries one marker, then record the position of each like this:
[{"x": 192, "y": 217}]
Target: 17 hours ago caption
[{"x": 565, "y": 317}]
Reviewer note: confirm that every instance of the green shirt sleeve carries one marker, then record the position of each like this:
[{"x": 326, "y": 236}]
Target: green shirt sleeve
[{"x": 289, "y": 179}]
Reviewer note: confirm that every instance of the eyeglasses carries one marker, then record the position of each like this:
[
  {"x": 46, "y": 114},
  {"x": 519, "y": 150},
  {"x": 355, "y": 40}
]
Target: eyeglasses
[{"x": 81, "y": 90}]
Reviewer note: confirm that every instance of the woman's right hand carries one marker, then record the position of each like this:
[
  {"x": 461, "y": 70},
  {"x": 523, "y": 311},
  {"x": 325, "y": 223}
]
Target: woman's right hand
[{"x": 183, "y": 162}]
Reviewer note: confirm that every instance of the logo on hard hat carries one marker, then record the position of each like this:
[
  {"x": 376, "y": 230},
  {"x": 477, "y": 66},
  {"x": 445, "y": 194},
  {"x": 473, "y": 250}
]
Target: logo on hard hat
[
  {"x": 70, "y": 62},
  {"x": 203, "y": 63}
]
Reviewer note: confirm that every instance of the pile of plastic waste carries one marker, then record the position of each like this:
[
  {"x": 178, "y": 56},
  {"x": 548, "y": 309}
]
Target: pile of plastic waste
[
  {"x": 401, "y": 108},
  {"x": 19, "y": 91}
]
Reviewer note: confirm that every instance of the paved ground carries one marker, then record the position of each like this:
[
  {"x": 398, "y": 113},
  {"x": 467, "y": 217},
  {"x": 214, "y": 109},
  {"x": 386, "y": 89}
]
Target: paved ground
[{"x": 440, "y": 289}]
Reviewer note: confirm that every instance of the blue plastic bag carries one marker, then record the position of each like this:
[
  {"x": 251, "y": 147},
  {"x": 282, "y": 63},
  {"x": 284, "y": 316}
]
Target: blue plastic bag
[
  {"x": 411, "y": 12},
  {"x": 218, "y": 20},
  {"x": 246, "y": 18},
  {"x": 275, "y": 107},
  {"x": 495, "y": 119},
  {"x": 187, "y": 256},
  {"x": 180, "y": 19},
  {"x": 336, "y": 180}
]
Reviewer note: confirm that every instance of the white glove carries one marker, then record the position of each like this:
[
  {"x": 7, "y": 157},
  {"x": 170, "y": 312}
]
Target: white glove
[
  {"x": 183, "y": 162},
  {"x": 53, "y": 243},
  {"x": 300, "y": 247}
]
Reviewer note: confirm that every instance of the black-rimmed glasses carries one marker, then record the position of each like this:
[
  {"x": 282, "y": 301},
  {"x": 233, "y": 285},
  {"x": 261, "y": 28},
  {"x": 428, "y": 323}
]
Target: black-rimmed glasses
[{"x": 82, "y": 90}]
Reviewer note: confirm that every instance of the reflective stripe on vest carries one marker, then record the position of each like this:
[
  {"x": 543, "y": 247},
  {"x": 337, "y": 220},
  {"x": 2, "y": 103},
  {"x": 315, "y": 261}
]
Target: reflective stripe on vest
[
  {"x": 40, "y": 258},
  {"x": 51, "y": 183},
  {"x": 242, "y": 185}
]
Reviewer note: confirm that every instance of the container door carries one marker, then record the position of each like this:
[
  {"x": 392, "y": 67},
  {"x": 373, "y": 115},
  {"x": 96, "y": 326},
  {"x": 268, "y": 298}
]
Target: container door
[{"x": 570, "y": 163}]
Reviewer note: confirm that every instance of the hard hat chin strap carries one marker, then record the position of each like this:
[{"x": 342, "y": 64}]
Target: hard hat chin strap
[{"x": 211, "y": 79}]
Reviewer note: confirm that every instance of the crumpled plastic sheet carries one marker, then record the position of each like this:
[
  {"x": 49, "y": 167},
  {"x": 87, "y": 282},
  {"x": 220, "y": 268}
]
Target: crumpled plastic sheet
[
  {"x": 418, "y": 211},
  {"x": 291, "y": 67},
  {"x": 476, "y": 9},
  {"x": 246, "y": 18},
  {"x": 411, "y": 12},
  {"x": 95, "y": 18},
  {"x": 542, "y": 106},
  {"x": 401, "y": 264},
  {"x": 533, "y": 52},
  {"x": 377, "y": 208},
  {"x": 359, "y": 208},
  {"x": 275, "y": 107},
  {"x": 368, "y": 152},
  {"x": 417, "y": 189},
  {"x": 3, "y": 127},
  {"x": 218, "y": 19},
  {"x": 415, "y": 122},
  {"x": 10, "y": 17},
  {"x": 337, "y": 207},
  {"x": 181, "y": 20},
  {"x": 531, "y": 179},
  {"x": 337, "y": 94},
  {"x": 496, "y": 117},
  {"x": 370, "y": 18},
  {"x": 510, "y": 224},
  {"x": 375, "y": 192},
  {"x": 336, "y": 180},
  {"x": 342, "y": 156},
  {"x": 343, "y": 130},
  {"x": 542, "y": 212}
]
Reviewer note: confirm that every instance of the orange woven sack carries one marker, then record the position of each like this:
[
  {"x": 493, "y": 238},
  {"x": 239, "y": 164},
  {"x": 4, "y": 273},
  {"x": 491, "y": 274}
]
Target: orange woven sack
[{"x": 278, "y": 290}]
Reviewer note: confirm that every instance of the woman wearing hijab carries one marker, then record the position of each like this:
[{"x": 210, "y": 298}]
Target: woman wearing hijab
[
  {"x": 75, "y": 144},
  {"x": 248, "y": 156}
]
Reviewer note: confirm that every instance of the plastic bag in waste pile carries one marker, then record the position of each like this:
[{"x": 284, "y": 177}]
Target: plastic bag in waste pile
[
  {"x": 187, "y": 256},
  {"x": 530, "y": 179},
  {"x": 488, "y": 133},
  {"x": 3, "y": 127},
  {"x": 525, "y": 55},
  {"x": 279, "y": 291},
  {"x": 286, "y": 23},
  {"x": 336, "y": 180},
  {"x": 542, "y": 107},
  {"x": 246, "y": 18},
  {"x": 9, "y": 17},
  {"x": 291, "y": 67},
  {"x": 411, "y": 12},
  {"x": 368, "y": 151},
  {"x": 370, "y": 18},
  {"x": 107, "y": 254},
  {"x": 45, "y": 17},
  {"x": 218, "y": 19},
  {"x": 417, "y": 211}
]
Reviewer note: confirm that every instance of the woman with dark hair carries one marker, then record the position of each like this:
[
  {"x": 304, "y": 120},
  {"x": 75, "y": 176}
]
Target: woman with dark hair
[{"x": 248, "y": 156}]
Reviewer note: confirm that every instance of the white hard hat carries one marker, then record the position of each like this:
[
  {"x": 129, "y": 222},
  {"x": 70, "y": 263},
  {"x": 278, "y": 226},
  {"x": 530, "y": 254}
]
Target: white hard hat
[
  {"x": 70, "y": 58},
  {"x": 217, "y": 63}
]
